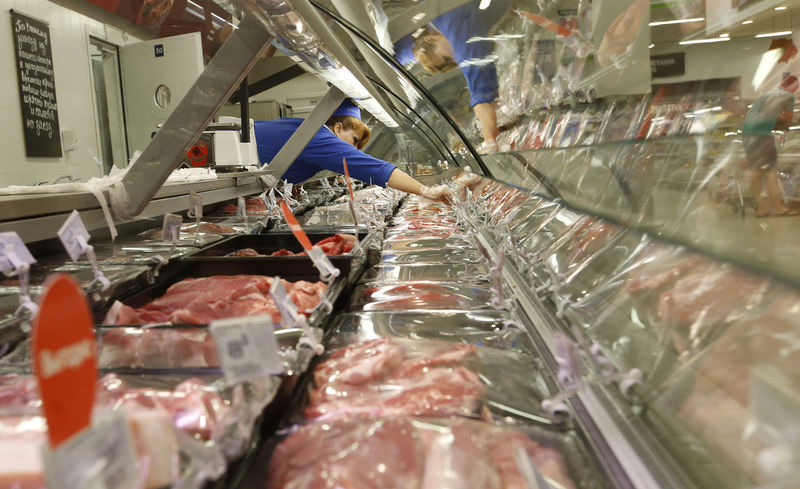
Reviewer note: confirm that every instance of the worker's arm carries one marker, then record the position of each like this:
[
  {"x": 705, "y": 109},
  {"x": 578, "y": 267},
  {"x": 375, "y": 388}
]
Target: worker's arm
[
  {"x": 400, "y": 180},
  {"x": 487, "y": 115}
]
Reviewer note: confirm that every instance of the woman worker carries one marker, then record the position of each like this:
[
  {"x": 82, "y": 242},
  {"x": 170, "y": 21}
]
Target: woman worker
[{"x": 342, "y": 136}]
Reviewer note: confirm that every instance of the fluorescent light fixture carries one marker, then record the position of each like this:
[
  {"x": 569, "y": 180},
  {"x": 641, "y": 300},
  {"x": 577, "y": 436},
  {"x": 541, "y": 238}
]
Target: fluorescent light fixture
[
  {"x": 703, "y": 41},
  {"x": 676, "y": 21},
  {"x": 765, "y": 66},
  {"x": 418, "y": 17},
  {"x": 774, "y": 34},
  {"x": 780, "y": 8},
  {"x": 747, "y": 22},
  {"x": 484, "y": 4},
  {"x": 725, "y": 35},
  {"x": 651, "y": 46},
  {"x": 794, "y": 128}
]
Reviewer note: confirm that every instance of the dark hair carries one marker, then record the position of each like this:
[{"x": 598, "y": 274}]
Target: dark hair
[{"x": 349, "y": 122}]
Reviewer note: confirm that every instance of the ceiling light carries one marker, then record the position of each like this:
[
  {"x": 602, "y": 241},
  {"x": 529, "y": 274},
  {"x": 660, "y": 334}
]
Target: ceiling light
[
  {"x": 773, "y": 34},
  {"x": 725, "y": 35},
  {"x": 780, "y": 8},
  {"x": 747, "y": 22},
  {"x": 701, "y": 41},
  {"x": 651, "y": 46},
  {"x": 676, "y": 21}
]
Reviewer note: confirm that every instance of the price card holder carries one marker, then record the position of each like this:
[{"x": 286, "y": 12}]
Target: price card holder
[
  {"x": 290, "y": 317},
  {"x": 75, "y": 238},
  {"x": 16, "y": 259},
  {"x": 241, "y": 208},
  {"x": 101, "y": 457},
  {"x": 247, "y": 348},
  {"x": 195, "y": 206}
]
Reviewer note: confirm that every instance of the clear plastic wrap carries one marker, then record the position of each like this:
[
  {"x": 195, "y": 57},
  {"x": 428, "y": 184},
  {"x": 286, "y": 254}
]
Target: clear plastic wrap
[
  {"x": 447, "y": 255},
  {"x": 421, "y": 295},
  {"x": 396, "y": 376},
  {"x": 400, "y": 245},
  {"x": 407, "y": 452},
  {"x": 434, "y": 273}
]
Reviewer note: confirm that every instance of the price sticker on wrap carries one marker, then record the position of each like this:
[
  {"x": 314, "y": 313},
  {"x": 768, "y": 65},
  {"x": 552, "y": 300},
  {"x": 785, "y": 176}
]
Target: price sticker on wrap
[
  {"x": 247, "y": 348},
  {"x": 171, "y": 229},
  {"x": 14, "y": 255},
  {"x": 101, "y": 457}
]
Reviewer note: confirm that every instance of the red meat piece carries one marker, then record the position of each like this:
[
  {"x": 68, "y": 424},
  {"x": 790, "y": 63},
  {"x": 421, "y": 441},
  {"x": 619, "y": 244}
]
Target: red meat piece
[
  {"x": 282, "y": 252},
  {"x": 337, "y": 244},
  {"x": 245, "y": 252}
]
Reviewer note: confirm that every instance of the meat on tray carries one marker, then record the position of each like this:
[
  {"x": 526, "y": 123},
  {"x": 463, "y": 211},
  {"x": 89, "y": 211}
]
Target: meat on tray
[
  {"x": 337, "y": 244},
  {"x": 201, "y": 300},
  {"x": 402, "y": 453},
  {"x": 154, "y": 347},
  {"x": 381, "y": 377},
  {"x": 254, "y": 205}
]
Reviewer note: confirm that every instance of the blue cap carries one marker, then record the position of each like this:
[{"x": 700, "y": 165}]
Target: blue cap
[{"x": 348, "y": 108}]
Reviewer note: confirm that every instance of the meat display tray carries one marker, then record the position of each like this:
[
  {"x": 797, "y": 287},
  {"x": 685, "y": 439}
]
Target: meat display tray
[
  {"x": 182, "y": 269},
  {"x": 267, "y": 244}
]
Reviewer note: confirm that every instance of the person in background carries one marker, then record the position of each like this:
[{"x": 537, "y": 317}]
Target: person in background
[
  {"x": 771, "y": 111},
  {"x": 342, "y": 136},
  {"x": 446, "y": 46}
]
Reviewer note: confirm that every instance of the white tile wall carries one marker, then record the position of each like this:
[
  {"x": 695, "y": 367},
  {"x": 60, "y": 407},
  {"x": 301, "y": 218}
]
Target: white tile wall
[{"x": 69, "y": 33}]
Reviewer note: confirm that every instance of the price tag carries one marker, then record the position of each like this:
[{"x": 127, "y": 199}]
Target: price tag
[
  {"x": 74, "y": 236},
  {"x": 195, "y": 206},
  {"x": 288, "y": 188},
  {"x": 171, "y": 229},
  {"x": 241, "y": 208},
  {"x": 101, "y": 457},
  {"x": 327, "y": 272},
  {"x": 64, "y": 357},
  {"x": 14, "y": 255},
  {"x": 247, "y": 348}
]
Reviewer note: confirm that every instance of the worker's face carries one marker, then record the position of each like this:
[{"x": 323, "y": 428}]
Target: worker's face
[{"x": 349, "y": 136}]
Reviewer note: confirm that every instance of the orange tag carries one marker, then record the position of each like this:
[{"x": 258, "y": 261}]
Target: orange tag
[
  {"x": 347, "y": 179},
  {"x": 295, "y": 227},
  {"x": 547, "y": 23},
  {"x": 64, "y": 357}
]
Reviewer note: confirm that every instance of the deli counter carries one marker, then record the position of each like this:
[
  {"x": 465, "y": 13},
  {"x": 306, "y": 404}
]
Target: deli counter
[{"x": 606, "y": 301}]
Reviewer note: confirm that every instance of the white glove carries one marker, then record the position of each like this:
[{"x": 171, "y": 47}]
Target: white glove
[{"x": 440, "y": 193}]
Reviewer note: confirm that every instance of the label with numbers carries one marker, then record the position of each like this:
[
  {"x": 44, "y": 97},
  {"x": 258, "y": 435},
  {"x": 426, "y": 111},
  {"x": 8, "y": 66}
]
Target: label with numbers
[
  {"x": 102, "y": 456},
  {"x": 74, "y": 236},
  {"x": 241, "y": 208},
  {"x": 247, "y": 348},
  {"x": 13, "y": 253},
  {"x": 171, "y": 229}
]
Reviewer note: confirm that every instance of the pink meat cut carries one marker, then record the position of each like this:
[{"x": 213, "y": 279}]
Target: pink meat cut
[
  {"x": 379, "y": 377},
  {"x": 157, "y": 348},
  {"x": 396, "y": 452},
  {"x": 201, "y": 300}
]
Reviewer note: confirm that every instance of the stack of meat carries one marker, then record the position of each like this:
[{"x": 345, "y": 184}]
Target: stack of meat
[
  {"x": 338, "y": 244},
  {"x": 400, "y": 452},
  {"x": 201, "y": 300},
  {"x": 382, "y": 377}
]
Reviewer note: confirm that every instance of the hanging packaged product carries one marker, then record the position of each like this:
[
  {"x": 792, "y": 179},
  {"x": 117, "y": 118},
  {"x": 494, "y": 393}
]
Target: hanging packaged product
[
  {"x": 75, "y": 238},
  {"x": 327, "y": 272},
  {"x": 15, "y": 259}
]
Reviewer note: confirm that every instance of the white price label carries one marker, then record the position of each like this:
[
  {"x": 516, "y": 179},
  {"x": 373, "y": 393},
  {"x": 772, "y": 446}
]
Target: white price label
[
  {"x": 74, "y": 236},
  {"x": 327, "y": 272},
  {"x": 287, "y": 189},
  {"x": 99, "y": 457},
  {"x": 241, "y": 208},
  {"x": 247, "y": 348},
  {"x": 171, "y": 229},
  {"x": 195, "y": 206},
  {"x": 14, "y": 255}
]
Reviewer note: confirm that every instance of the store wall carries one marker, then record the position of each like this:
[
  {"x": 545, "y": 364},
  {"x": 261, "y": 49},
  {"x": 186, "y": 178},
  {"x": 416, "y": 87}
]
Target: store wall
[
  {"x": 302, "y": 93},
  {"x": 71, "y": 23}
]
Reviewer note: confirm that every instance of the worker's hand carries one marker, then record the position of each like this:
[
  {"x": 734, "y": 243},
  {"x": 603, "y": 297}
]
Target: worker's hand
[{"x": 438, "y": 193}]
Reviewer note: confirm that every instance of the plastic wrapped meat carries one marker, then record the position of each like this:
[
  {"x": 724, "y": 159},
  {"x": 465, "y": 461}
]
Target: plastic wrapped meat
[
  {"x": 447, "y": 255},
  {"x": 156, "y": 347},
  {"x": 400, "y": 244},
  {"x": 201, "y": 300},
  {"x": 472, "y": 272},
  {"x": 422, "y": 295},
  {"x": 21, "y": 441},
  {"x": 381, "y": 377},
  {"x": 371, "y": 453}
]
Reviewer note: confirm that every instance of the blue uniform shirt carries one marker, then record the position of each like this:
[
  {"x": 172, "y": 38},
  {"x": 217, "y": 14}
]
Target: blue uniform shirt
[
  {"x": 474, "y": 58},
  {"x": 324, "y": 152}
]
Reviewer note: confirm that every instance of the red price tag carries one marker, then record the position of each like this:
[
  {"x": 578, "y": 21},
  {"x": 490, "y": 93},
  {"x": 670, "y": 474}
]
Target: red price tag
[
  {"x": 347, "y": 179},
  {"x": 64, "y": 357},
  {"x": 295, "y": 227}
]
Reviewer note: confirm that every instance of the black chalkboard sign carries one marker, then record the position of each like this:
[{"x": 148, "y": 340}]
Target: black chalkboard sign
[{"x": 37, "y": 88}]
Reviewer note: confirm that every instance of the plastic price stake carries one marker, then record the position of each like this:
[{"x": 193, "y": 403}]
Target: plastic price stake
[
  {"x": 99, "y": 276},
  {"x": 496, "y": 273},
  {"x": 171, "y": 229},
  {"x": 195, "y": 206},
  {"x": 569, "y": 368},
  {"x": 533, "y": 478},
  {"x": 101, "y": 457},
  {"x": 14, "y": 255},
  {"x": 247, "y": 348},
  {"x": 295, "y": 227},
  {"x": 347, "y": 179},
  {"x": 290, "y": 317},
  {"x": 327, "y": 272},
  {"x": 241, "y": 208},
  {"x": 64, "y": 357},
  {"x": 74, "y": 236}
]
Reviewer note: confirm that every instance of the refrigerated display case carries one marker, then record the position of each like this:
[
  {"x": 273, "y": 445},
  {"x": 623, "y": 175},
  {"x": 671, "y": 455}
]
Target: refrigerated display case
[{"x": 589, "y": 312}]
